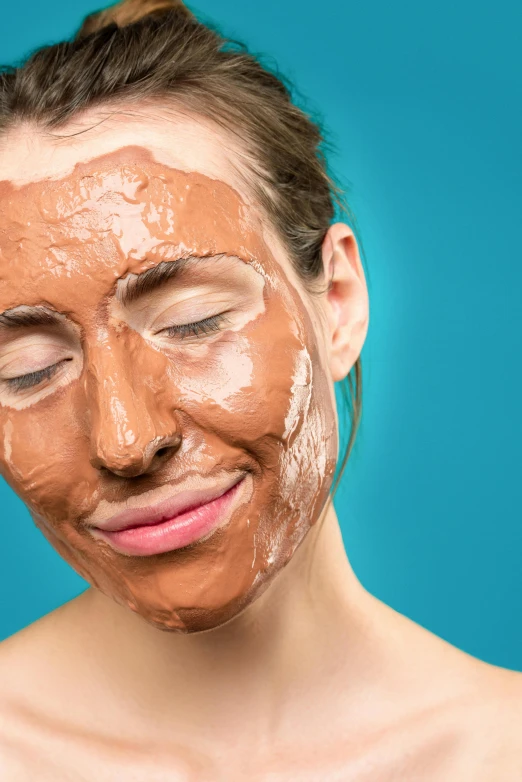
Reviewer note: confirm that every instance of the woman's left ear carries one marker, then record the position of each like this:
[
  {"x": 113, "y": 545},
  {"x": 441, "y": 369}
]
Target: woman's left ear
[{"x": 347, "y": 302}]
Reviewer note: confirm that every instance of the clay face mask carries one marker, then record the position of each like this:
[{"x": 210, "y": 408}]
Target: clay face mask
[{"x": 152, "y": 350}]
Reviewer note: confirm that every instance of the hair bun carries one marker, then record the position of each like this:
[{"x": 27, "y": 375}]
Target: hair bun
[{"x": 130, "y": 11}]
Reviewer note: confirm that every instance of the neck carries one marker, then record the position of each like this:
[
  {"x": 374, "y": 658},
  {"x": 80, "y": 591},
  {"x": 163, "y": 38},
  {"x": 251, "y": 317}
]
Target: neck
[{"x": 272, "y": 659}]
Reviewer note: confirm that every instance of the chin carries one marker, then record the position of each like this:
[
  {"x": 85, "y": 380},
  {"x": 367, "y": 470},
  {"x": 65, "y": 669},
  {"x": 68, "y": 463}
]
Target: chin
[{"x": 188, "y": 621}]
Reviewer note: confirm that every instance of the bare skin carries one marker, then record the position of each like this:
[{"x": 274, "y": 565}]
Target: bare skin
[{"x": 315, "y": 680}]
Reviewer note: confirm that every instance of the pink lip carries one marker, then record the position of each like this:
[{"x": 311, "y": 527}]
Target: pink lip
[{"x": 170, "y": 525}]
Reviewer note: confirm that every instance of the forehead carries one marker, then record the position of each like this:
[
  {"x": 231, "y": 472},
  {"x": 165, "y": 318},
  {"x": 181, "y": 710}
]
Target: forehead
[
  {"x": 176, "y": 140},
  {"x": 121, "y": 205},
  {"x": 122, "y": 211}
]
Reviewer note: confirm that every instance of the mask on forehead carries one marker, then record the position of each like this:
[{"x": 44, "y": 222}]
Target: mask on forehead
[{"x": 137, "y": 405}]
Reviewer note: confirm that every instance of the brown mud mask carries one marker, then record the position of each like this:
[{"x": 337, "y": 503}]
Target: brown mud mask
[{"x": 109, "y": 402}]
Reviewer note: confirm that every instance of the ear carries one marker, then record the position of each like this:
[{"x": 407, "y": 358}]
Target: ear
[{"x": 347, "y": 302}]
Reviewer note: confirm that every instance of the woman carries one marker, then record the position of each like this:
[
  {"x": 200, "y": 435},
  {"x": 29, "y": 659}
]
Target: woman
[{"x": 177, "y": 304}]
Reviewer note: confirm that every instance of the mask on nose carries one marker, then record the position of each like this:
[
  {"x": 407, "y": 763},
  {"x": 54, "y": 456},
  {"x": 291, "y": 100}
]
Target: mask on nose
[{"x": 132, "y": 399}]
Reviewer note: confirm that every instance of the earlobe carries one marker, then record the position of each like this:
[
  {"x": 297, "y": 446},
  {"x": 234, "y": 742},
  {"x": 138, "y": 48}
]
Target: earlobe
[{"x": 347, "y": 299}]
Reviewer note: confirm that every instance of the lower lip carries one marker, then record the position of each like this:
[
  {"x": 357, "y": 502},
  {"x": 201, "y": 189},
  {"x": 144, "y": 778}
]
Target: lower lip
[{"x": 174, "y": 533}]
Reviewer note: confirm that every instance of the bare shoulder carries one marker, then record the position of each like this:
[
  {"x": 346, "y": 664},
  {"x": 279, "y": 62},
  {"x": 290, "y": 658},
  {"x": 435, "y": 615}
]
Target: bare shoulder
[
  {"x": 30, "y": 656},
  {"x": 505, "y": 708},
  {"x": 22, "y": 655},
  {"x": 36, "y": 663},
  {"x": 502, "y": 690},
  {"x": 28, "y": 675},
  {"x": 493, "y": 714},
  {"x": 15, "y": 763}
]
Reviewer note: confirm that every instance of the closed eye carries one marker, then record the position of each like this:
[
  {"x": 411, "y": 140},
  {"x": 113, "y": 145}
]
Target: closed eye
[
  {"x": 33, "y": 378},
  {"x": 198, "y": 328}
]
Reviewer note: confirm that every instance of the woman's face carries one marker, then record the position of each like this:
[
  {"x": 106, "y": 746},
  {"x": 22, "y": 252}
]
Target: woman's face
[{"x": 157, "y": 352}]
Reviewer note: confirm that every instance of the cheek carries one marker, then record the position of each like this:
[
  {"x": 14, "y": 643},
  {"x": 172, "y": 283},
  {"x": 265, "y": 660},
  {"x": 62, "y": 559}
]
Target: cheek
[
  {"x": 44, "y": 456},
  {"x": 246, "y": 386},
  {"x": 265, "y": 391}
]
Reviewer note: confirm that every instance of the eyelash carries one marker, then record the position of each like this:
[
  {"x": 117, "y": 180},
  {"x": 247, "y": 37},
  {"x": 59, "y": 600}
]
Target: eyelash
[
  {"x": 32, "y": 378},
  {"x": 196, "y": 329}
]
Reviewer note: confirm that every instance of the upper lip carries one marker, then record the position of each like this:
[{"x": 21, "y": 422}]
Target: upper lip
[{"x": 173, "y": 506}]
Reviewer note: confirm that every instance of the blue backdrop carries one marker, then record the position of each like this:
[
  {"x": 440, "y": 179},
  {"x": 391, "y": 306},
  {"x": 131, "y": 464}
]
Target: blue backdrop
[{"x": 423, "y": 104}]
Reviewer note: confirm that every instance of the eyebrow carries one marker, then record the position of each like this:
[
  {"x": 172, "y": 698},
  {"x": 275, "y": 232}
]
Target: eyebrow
[
  {"x": 154, "y": 278},
  {"x": 25, "y": 316},
  {"x": 28, "y": 316}
]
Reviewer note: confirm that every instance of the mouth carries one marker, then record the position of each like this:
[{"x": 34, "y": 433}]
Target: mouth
[{"x": 186, "y": 518}]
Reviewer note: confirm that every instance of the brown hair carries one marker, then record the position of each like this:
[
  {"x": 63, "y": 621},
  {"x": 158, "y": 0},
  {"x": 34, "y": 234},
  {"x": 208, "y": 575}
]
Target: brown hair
[{"x": 156, "y": 49}]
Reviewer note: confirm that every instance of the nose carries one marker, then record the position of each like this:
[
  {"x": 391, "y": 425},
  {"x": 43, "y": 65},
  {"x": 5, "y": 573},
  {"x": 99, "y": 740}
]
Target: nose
[{"x": 133, "y": 432}]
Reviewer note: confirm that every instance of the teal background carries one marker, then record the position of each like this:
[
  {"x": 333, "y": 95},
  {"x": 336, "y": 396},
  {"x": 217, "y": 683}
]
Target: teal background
[{"x": 422, "y": 101}]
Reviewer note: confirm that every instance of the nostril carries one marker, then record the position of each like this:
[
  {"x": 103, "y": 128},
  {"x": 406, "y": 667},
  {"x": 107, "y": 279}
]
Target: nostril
[{"x": 162, "y": 451}]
